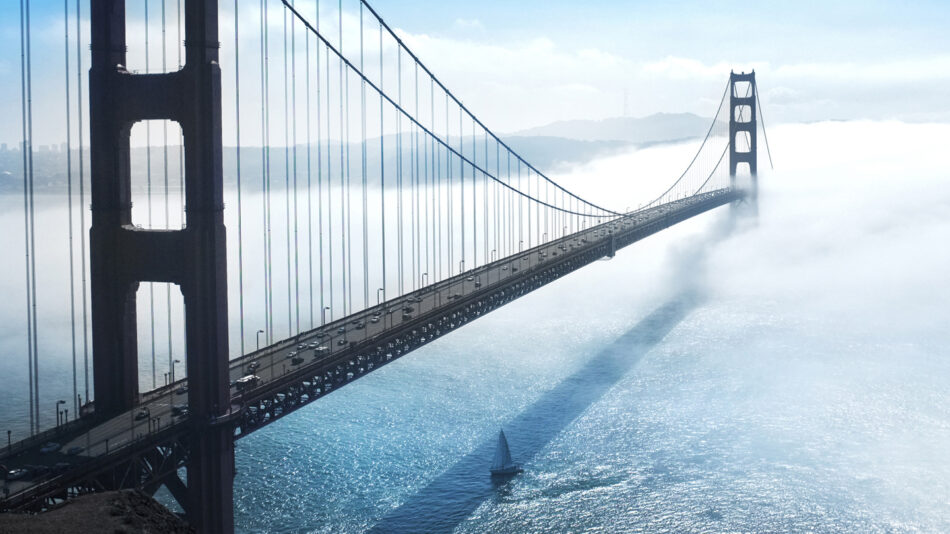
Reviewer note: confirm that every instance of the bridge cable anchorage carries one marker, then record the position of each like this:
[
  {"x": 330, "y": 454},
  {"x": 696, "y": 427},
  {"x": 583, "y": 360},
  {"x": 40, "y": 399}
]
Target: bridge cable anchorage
[
  {"x": 764, "y": 134},
  {"x": 453, "y": 151}
]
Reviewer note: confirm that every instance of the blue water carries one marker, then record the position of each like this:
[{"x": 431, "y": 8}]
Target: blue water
[{"x": 787, "y": 374}]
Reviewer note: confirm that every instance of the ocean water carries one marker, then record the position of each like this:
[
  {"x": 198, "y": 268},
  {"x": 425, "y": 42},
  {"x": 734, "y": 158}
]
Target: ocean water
[
  {"x": 786, "y": 372},
  {"x": 780, "y": 373}
]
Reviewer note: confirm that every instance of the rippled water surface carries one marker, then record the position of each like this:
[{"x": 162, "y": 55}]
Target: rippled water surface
[
  {"x": 781, "y": 373},
  {"x": 784, "y": 374}
]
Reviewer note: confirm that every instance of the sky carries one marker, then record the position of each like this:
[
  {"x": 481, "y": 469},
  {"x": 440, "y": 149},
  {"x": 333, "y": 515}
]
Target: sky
[{"x": 525, "y": 64}]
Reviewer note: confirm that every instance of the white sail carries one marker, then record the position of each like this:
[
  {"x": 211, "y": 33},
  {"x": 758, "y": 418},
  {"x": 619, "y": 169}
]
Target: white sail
[{"x": 502, "y": 457}]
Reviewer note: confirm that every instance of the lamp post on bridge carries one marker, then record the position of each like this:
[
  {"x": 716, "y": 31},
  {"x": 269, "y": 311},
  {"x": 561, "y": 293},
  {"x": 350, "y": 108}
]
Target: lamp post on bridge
[
  {"x": 258, "y": 336},
  {"x": 58, "y": 403},
  {"x": 172, "y": 378},
  {"x": 425, "y": 278},
  {"x": 323, "y": 315},
  {"x": 380, "y": 291}
]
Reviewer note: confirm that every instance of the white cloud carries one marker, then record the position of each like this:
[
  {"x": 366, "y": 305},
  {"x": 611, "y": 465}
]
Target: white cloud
[{"x": 468, "y": 24}]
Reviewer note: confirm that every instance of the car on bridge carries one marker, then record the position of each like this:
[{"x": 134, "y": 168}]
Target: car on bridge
[
  {"x": 247, "y": 382},
  {"x": 17, "y": 474},
  {"x": 50, "y": 447}
]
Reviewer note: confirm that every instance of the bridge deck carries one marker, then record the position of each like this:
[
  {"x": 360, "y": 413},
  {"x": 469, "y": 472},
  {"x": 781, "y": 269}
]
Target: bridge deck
[{"x": 333, "y": 355}]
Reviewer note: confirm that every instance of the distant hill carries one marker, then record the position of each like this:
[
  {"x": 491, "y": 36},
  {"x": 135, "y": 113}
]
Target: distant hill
[
  {"x": 654, "y": 128},
  {"x": 550, "y": 148},
  {"x": 557, "y": 153}
]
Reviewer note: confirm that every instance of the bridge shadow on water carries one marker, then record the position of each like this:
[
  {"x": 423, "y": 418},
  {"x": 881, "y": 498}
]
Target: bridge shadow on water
[{"x": 456, "y": 493}]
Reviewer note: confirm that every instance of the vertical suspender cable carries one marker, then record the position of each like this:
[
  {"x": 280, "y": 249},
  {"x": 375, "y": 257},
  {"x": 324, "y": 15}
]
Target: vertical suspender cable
[
  {"x": 363, "y": 171},
  {"x": 29, "y": 111},
  {"x": 485, "y": 258},
  {"x": 264, "y": 173},
  {"x": 382, "y": 164},
  {"x": 449, "y": 193},
  {"x": 237, "y": 140},
  {"x": 26, "y": 148},
  {"x": 320, "y": 166},
  {"x": 309, "y": 174},
  {"x": 520, "y": 214},
  {"x": 82, "y": 204},
  {"x": 265, "y": 178},
  {"x": 168, "y": 287},
  {"x": 69, "y": 207},
  {"x": 425, "y": 201},
  {"x": 345, "y": 175},
  {"x": 329, "y": 191},
  {"x": 462, "y": 189},
  {"x": 293, "y": 115},
  {"x": 415, "y": 184},
  {"x": 349, "y": 190},
  {"x": 148, "y": 192},
  {"x": 399, "y": 215},
  {"x": 290, "y": 323}
]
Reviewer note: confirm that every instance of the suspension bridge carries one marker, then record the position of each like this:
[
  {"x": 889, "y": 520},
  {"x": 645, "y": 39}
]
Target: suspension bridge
[{"x": 369, "y": 213}]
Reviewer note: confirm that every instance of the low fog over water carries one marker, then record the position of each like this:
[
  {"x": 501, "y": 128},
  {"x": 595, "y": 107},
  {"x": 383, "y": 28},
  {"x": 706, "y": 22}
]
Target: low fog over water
[
  {"x": 780, "y": 373},
  {"x": 797, "y": 381}
]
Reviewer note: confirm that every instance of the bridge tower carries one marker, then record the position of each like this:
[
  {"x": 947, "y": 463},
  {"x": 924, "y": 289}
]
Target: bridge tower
[
  {"x": 122, "y": 255},
  {"x": 743, "y": 126}
]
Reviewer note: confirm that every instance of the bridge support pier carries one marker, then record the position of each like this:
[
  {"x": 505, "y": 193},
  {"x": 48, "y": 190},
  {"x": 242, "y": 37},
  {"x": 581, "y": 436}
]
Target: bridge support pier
[
  {"x": 743, "y": 129},
  {"x": 194, "y": 257}
]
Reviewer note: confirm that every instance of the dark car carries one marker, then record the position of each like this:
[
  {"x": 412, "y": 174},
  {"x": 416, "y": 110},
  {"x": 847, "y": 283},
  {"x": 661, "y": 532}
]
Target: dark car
[
  {"x": 17, "y": 474},
  {"x": 50, "y": 447}
]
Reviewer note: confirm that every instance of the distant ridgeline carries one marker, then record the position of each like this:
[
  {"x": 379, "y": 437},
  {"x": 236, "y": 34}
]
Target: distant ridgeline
[{"x": 552, "y": 147}]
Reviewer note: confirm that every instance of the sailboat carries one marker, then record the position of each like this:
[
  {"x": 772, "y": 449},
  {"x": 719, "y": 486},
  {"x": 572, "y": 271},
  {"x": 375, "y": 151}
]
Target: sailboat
[{"x": 502, "y": 464}]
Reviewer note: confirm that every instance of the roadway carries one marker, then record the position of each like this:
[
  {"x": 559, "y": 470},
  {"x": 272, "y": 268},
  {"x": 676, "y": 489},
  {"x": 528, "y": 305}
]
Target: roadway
[{"x": 317, "y": 349}]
